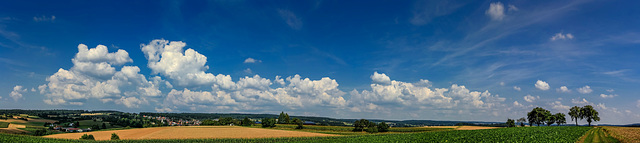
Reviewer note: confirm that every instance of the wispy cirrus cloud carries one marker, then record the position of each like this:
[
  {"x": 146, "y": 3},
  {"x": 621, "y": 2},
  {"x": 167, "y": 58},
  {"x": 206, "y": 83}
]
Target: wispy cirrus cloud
[
  {"x": 290, "y": 18},
  {"x": 425, "y": 11},
  {"x": 43, "y": 18}
]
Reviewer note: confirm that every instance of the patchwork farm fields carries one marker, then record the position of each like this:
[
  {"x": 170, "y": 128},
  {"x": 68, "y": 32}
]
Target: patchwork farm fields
[{"x": 244, "y": 134}]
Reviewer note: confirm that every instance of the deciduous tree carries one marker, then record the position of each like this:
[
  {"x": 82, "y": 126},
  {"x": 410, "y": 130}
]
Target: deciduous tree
[
  {"x": 87, "y": 137},
  {"x": 590, "y": 114},
  {"x": 383, "y": 127},
  {"x": 550, "y": 119},
  {"x": 115, "y": 136},
  {"x": 575, "y": 113},
  {"x": 246, "y": 122},
  {"x": 537, "y": 116},
  {"x": 268, "y": 123},
  {"x": 359, "y": 125},
  {"x": 298, "y": 122},
  {"x": 560, "y": 118},
  {"x": 511, "y": 123},
  {"x": 521, "y": 121}
]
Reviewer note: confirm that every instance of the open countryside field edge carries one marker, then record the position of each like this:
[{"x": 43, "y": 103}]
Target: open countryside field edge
[{"x": 519, "y": 134}]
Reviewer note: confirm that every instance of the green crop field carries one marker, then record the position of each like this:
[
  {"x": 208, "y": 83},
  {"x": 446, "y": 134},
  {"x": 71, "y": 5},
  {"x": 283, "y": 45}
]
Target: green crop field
[
  {"x": 343, "y": 130},
  {"x": 526, "y": 134},
  {"x": 4, "y": 124},
  {"x": 89, "y": 123},
  {"x": 597, "y": 135},
  {"x": 417, "y": 129}
]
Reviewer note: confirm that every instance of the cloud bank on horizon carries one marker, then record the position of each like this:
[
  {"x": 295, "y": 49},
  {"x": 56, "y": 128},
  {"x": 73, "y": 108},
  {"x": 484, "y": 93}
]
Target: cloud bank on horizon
[
  {"x": 438, "y": 60},
  {"x": 182, "y": 72}
]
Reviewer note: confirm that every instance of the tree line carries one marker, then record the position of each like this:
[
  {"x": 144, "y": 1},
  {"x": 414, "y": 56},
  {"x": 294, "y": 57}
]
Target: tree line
[
  {"x": 369, "y": 127},
  {"x": 540, "y": 115},
  {"x": 283, "y": 118}
]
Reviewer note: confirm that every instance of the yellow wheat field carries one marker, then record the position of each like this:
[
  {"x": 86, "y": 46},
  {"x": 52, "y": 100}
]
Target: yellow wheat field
[{"x": 191, "y": 132}]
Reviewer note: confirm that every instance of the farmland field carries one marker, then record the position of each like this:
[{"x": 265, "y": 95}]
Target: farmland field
[
  {"x": 597, "y": 135},
  {"x": 191, "y": 132},
  {"x": 344, "y": 130},
  {"x": 526, "y": 134},
  {"x": 625, "y": 134},
  {"x": 90, "y": 123},
  {"x": 4, "y": 124}
]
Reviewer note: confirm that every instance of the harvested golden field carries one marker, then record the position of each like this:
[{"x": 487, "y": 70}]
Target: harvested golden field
[
  {"x": 625, "y": 134},
  {"x": 191, "y": 132},
  {"x": 13, "y": 120},
  {"x": 30, "y": 120},
  {"x": 463, "y": 127},
  {"x": 13, "y": 129}
]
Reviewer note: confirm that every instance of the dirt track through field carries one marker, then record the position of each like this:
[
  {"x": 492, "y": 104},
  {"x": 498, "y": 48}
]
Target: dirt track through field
[{"x": 191, "y": 132}]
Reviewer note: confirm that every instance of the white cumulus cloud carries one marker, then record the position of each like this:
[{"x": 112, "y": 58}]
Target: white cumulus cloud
[
  {"x": 93, "y": 76},
  {"x": 542, "y": 85},
  {"x": 530, "y": 98},
  {"x": 515, "y": 103},
  {"x": 186, "y": 67},
  {"x": 17, "y": 92},
  {"x": 496, "y": 11},
  {"x": 380, "y": 78},
  {"x": 251, "y": 60},
  {"x": 601, "y": 106},
  {"x": 608, "y": 96},
  {"x": 517, "y": 88},
  {"x": 409, "y": 96},
  {"x": 561, "y": 36},
  {"x": 580, "y": 102},
  {"x": 563, "y": 89},
  {"x": 557, "y": 105},
  {"x": 585, "y": 90}
]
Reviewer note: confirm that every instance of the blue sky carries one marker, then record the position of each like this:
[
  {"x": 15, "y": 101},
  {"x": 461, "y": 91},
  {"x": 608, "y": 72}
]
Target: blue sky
[{"x": 438, "y": 60}]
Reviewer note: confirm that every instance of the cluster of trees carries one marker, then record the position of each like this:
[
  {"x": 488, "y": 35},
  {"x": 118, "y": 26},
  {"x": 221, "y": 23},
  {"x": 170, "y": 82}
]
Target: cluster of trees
[
  {"x": 115, "y": 136},
  {"x": 40, "y": 132},
  {"x": 87, "y": 137},
  {"x": 370, "y": 127},
  {"x": 543, "y": 116},
  {"x": 96, "y": 127},
  {"x": 227, "y": 121},
  {"x": 587, "y": 112},
  {"x": 282, "y": 119},
  {"x": 268, "y": 122}
]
